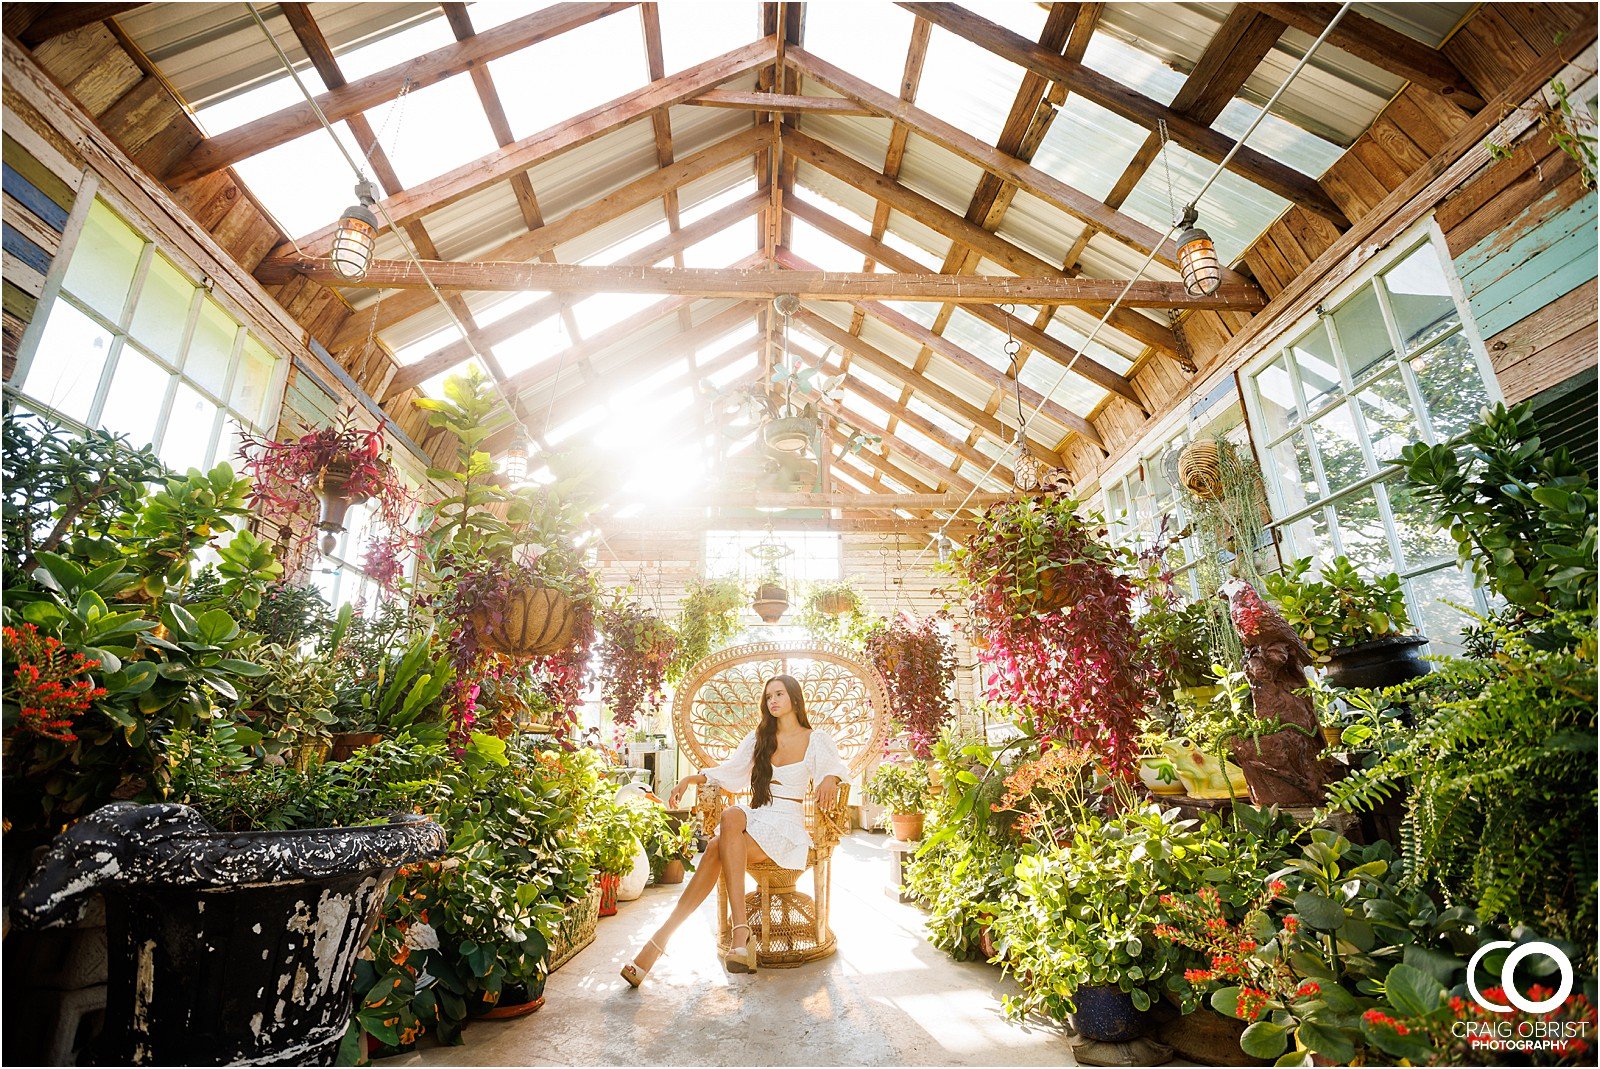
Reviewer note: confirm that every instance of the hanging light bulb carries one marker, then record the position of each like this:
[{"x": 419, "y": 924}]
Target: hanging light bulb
[
  {"x": 353, "y": 242},
  {"x": 516, "y": 462},
  {"x": 943, "y": 545},
  {"x": 1197, "y": 257}
]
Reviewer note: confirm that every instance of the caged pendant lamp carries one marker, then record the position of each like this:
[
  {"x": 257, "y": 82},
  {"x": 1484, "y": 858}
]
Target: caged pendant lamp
[
  {"x": 1197, "y": 257},
  {"x": 357, "y": 235},
  {"x": 516, "y": 460}
]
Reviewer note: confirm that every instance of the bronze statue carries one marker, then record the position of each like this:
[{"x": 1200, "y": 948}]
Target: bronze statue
[{"x": 1283, "y": 764}]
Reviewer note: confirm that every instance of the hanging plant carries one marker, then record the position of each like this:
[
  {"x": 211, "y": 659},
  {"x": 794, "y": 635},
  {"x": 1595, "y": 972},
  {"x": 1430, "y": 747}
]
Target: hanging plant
[
  {"x": 634, "y": 658},
  {"x": 303, "y": 485},
  {"x": 709, "y": 617},
  {"x": 1050, "y": 594},
  {"x": 833, "y": 612},
  {"x": 917, "y": 665}
]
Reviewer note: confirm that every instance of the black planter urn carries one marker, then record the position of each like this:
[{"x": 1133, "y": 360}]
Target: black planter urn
[
  {"x": 224, "y": 949},
  {"x": 1383, "y": 662}
]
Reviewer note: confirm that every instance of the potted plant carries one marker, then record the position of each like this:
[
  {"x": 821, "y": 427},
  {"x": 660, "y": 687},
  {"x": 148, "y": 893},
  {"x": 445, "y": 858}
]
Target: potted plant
[
  {"x": 1355, "y": 627},
  {"x": 833, "y": 612},
  {"x": 707, "y": 619},
  {"x": 308, "y": 484},
  {"x": 1078, "y": 674},
  {"x": 636, "y": 650},
  {"x": 902, "y": 788},
  {"x": 918, "y": 666},
  {"x": 771, "y": 600}
]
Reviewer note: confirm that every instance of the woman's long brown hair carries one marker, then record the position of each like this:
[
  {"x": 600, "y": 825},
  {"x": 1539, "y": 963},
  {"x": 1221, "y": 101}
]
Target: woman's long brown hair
[{"x": 767, "y": 739}]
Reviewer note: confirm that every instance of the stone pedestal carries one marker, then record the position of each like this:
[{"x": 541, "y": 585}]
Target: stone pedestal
[{"x": 899, "y": 853}]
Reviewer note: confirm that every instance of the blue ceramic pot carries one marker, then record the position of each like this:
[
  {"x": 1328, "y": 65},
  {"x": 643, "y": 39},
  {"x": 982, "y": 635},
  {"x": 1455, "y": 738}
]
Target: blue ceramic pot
[{"x": 1105, "y": 1014}]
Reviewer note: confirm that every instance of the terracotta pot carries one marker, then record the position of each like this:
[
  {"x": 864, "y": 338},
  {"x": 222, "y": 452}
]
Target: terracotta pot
[
  {"x": 1383, "y": 662},
  {"x": 986, "y": 945},
  {"x": 907, "y": 826},
  {"x": 344, "y": 744},
  {"x": 608, "y": 894},
  {"x": 672, "y": 872},
  {"x": 771, "y": 602},
  {"x": 534, "y": 621}
]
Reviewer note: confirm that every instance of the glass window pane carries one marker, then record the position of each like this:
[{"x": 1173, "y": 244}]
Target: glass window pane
[
  {"x": 228, "y": 443},
  {"x": 252, "y": 381},
  {"x": 1342, "y": 460},
  {"x": 1276, "y": 392},
  {"x": 133, "y": 403},
  {"x": 1451, "y": 386},
  {"x": 66, "y": 367},
  {"x": 1308, "y": 537},
  {"x": 1391, "y": 423},
  {"x": 1297, "y": 480},
  {"x": 1319, "y": 374},
  {"x": 1362, "y": 335},
  {"x": 188, "y": 436},
  {"x": 211, "y": 348},
  {"x": 103, "y": 261},
  {"x": 1362, "y": 534},
  {"x": 1420, "y": 298},
  {"x": 162, "y": 311},
  {"x": 1422, "y": 541},
  {"x": 1439, "y": 598}
]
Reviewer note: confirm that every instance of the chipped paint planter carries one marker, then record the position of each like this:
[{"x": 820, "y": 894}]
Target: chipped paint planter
[{"x": 224, "y": 948}]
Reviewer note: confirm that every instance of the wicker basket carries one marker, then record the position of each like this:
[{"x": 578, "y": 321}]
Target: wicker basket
[
  {"x": 577, "y": 928},
  {"x": 536, "y": 621},
  {"x": 1200, "y": 469}
]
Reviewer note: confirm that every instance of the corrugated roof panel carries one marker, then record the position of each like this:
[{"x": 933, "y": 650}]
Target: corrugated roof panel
[
  {"x": 1071, "y": 391},
  {"x": 939, "y": 174},
  {"x": 1105, "y": 257},
  {"x": 689, "y": 39},
  {"x": 544, "y": 84},
  {"x": 827, "y": 253},
  {"x": 868, "y": 40},
  {"x": 860, "y": 137},
  {"x": 1234, "y": 212},
  {"x": 924, "y": 237},
  {"x": 1429, "y": 23},
  {"x": 1073, "y": 327},
  {"x": 923, "y": 444},
  {"x": 951, "y": 427},
  {"x": 476, "y": 224},
  {"x": 1040, "y": 228},
  {"x": 611, "y": 241},
  {"x": 582, "y": 176},
  {"x": 828, "y": 193},
  {"x": 967, "y": 85},
  {"x": 1088, "y": 147},
  {"x": 891, "y": 341},
  {"x": 970, "y": 389}
]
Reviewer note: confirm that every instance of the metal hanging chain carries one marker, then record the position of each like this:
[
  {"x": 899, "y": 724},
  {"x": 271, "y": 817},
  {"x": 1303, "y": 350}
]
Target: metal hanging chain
[
  {"x": 398, "y": 114},
  {"x": 1013, "y": 351},
  {"x": 1166, "y": 164}
]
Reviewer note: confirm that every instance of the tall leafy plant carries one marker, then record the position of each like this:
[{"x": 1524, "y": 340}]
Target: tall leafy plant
[
  {"x": 918, "y": 665},
  {"x": 634, "y": 657},
  {"x": 1078, "y": 671},
  {"x": 707, "y": 619}
]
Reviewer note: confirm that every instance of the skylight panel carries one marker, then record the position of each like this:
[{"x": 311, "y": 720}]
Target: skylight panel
[
  {"x": 891, "y": 341},
  {"x": 569, "y": 74},
  {"x": 1075, "y": 393},
  {"x": 926, "y": 238},
  {"x": 823, "y": 250},
  {"x": 1025, "y": 19},
  {"x": 830, "y": 194},
  {"x": 488, "y": 310},
  {"x": 726, "y": 341},
  {"x": 575, "y": 425},
  {"x": 734, "y": 371},
  {"x": 486, "y": 16},
  {"x": 978, "y": 338},
  {"x": 305, "y": 183},
  {"x": 637, "y": 242},
  {"x": 433, "y": 129},
  {"x": 397, "y": 48},
  {"x": 407, "y": 355},
  {"x": 1234, "y": 212},
  {"x": 722, "y": 248},
  {"x": 533, "y": 346},
  {"x": 924, "y": 445},
  {"x": 923, "y": 312},
  {"x": 695, "y": 204},
  {"x": 259, "y": 102},
  {"x": 604, "y": 310},
  {"x": 868, "y": 40},
  {"x": 950, "y": 427},
  {"x": 1088, "y": 147},
  {"x": 967, "y": 86},
  {"x": 1133, "y": 67},
  {"x": 1279, "y": 139},
  {"x": 866, "y": 410},
  {"x": 931, "y": 260},
  {"x": 434, "y": 387},
  {"x": 694, "y": 33},
  {"x": 1068, "y": 333}
]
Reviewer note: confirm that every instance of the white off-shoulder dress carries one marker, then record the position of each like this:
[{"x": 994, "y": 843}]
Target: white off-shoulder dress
[{"x": 779, "y": 827}]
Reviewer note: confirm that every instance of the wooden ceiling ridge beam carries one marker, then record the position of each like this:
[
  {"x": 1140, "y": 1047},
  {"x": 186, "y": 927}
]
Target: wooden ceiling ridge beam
[
  {"x": 618, "y": 202},
  {"x": 881, "y": 363},
  {"x": 796, "y": 103},
  {"x": 891, "y": 445},
  {"x": 958, "y": 228},
  {"x": 224, "y": 150},
  {"x": 1030, "y": 336},
  {"x": 973, "y": 365},
  {"x": 1108, "y": 93},
  {"x": 1389, "y": 50},
  {"x": 450, "y": 355},
  {"x": 537, "y": 148}
]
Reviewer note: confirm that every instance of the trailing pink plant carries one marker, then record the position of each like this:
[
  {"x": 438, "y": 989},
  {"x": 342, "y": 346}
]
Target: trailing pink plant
[
  {"x": 634, "y": 658},
  {"x": 917, "y": 665},
  {"x": 1050, "y": 595}
]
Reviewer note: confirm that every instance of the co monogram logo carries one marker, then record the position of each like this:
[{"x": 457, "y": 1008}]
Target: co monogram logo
[{"x": 1508, "y": 980}]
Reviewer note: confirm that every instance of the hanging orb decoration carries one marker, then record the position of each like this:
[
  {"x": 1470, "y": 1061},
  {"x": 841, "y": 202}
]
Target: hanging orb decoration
[
  {"x": 1029, "y": 472},
  {"x": 357, "y": 235},
  {"x": 1197, "y": 257}
]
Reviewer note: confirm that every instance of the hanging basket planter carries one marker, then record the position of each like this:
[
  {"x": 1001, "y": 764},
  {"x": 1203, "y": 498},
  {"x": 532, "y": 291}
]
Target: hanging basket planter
[
  {"x": 771, "y": 602},
  {"x": 1054, "y": 592},
  {"x": 792, "y": 434},
  {"x": 837, "y": 602},
  {"x": 1200, "y": 469},
  {"x": 534, "y": 621}
]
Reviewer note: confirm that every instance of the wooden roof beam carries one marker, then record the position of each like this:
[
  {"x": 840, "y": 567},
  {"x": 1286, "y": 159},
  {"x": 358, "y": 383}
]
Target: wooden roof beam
[
  {"x": 34, "y": 24},
  {"x": 1198, "y": 138},
  {"x": 881, "y": 465},
  {"x": 956, "y": 227},
  {"x": 891, "y": 445},
  {"x": 392, "y": 310},
  {"x": 1390, "y": 50},
  {"x": 786, "y": 103},
  {"x": 281, "y": 127}
]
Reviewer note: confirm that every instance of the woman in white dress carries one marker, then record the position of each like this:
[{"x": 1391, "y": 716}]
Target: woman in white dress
[{"x": 774, "y": 763}]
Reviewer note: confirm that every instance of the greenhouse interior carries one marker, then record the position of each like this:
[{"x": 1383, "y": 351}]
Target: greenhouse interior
[{"x": 836, "y": 533}]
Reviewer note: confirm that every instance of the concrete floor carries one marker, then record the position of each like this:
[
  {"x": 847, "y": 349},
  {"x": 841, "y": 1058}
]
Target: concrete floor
[{"x": 887, "y": 997}]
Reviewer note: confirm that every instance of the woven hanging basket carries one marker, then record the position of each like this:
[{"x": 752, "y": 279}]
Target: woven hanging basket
[
  {"x": 1200, "y": 469},
  {"x": 835, "y": 602},
  {"x": 536, "y": 621}
]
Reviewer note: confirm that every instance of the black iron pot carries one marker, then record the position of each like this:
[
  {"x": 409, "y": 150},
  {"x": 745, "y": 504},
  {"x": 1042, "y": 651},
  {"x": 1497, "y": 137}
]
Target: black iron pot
[
  {"x": 224, "y": 949},
  {"x": 1383, "y": 662},
  {"x": 1106, "y": 1014}
]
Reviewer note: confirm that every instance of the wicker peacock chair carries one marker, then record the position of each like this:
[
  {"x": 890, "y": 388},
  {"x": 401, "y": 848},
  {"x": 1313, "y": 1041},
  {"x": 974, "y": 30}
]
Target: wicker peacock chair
[{"x": 716, "y": 708}]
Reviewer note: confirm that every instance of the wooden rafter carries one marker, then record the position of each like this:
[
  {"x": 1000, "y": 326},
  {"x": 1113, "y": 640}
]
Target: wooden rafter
[
  {"x": 281, "y": 127},
  {"x": 1386, "y": 49},
  {"x": 661, "y": 124},
  {"x": 526, "y": 318},
  {"x": 392, "y": 310},
  {"x": 895, "y": 447},
  {"x": 956, "y": 227},
  {"x": 34, "y": 24},
  {"x": 1198, "y": 138},
  {"x": 880, "y": 464},
  {"x": 786, "y": 103}
]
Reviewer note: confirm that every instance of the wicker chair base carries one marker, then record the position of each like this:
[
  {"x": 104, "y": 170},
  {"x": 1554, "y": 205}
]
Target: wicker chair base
[{"x": 787, "y": 933}]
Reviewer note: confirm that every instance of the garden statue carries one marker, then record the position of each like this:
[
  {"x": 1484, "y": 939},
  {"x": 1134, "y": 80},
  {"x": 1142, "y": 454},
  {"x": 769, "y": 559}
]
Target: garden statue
[{"x": 1282, "y": 764}]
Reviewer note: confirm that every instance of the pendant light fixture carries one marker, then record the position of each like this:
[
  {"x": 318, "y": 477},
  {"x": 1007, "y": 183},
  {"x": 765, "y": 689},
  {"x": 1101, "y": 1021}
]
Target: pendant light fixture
[
  {"x": 1197, "y": 257},
  {"x": 515, "y": 466},
  {"x": 792, "y": 431},
  {"x": 357, "y": 235}
]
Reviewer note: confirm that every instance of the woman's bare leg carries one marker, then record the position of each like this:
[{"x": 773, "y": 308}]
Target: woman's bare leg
[
  {"x": 694, "y": 893},
  {"x": 735, "y": 852}
]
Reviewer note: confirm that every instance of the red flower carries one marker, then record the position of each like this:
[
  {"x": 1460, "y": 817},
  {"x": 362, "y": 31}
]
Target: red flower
[
  {"x": 1291, "y": 924},
  {"x": 1307, "y": 989},
  {"x": 41, "y": 683}
]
